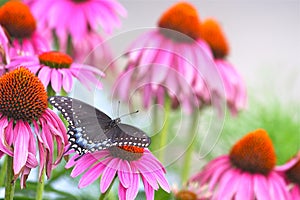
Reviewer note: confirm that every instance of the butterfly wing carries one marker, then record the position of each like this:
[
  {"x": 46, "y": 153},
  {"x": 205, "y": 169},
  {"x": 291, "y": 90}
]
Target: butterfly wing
[
  {"x": 127, "y": 135},
  {"x": 86, "y": 124}
]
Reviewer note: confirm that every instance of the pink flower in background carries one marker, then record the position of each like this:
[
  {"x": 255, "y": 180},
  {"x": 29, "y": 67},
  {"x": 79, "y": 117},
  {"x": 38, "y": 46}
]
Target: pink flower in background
[
  {"x": 172, "y": 61},
  {"x": 28, "y": 125},
  {"x": 129, "y": 164},
  {"x": 246, "y": 173},
  {"x": 17, "y": 19},
  {"x": 234, "y": 85},
  {"x": 291, "y": 172},
  {"x": 90, "y": 16},
  {"x": 93, "y": 50},
  {"x": 58, "y": 70},
  {"x": 4, "y": 50}
]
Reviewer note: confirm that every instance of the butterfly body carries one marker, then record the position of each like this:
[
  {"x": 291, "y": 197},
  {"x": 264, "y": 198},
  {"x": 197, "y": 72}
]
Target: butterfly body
[{"x": 92, "y": 130}]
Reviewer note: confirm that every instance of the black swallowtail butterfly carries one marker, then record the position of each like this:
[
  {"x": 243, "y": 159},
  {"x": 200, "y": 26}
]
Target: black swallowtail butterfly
[{"x": 92, "y": 130}]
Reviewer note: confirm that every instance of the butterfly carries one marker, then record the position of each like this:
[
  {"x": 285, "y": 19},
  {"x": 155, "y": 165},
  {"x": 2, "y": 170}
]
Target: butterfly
[{"x": 92, "y": 130}]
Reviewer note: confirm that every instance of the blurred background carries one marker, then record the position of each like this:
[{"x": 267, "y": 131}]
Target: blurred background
[{"x": 264, "y": 38}]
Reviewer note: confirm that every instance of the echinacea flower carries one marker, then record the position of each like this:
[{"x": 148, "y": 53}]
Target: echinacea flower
[
  {"x": 246, "y": 173},
  {"x": 190, "y": 192},
  {"x": 234, "y": 85},
  {"x": 291, "y": 172},
  {"x": 28, "y": 126},
  {"x": 128, "y": 163},
  {"x": 58, "y": 16},
  {"x": 171, "y": 60},
  {"x": 58, "y": 70},
  {"x": 17, "y": 19}
]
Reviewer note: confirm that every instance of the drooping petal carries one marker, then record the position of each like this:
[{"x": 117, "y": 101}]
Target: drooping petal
[
  {"x": 20, "y": 146},
  {"x": 91, "y": 175},
  {"x": 149, "y": 191},
  {"x": 261, "y": 188},
  {"x": 245, "y": 188},
  {"x": 125, "y": 173},
  {"x": 109, "y": 174}
]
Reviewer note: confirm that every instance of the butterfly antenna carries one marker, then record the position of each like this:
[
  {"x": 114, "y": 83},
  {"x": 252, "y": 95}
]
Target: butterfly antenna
[
  {"x": 129, "y": 113},
  {"x": 118, "y": 108}
]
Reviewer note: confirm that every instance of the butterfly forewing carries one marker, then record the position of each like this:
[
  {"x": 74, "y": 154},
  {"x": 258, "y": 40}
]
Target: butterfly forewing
[{"x": 84, "y": 130}]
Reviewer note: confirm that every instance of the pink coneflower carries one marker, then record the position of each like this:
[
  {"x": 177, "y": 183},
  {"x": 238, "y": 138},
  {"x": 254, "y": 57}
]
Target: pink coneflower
[
  {"x": 291, "y": 173},
  {"x": 246, "y": 173},
  {"x": 190, "y": 192},
  {"x": 58, "y": 70},
  {"x": 235, "y": 88},
  {"x": 59, "y": 16},
  {"x": 20, "y": 25},
  {"x": 28, "y": 125},
  {"x": 128, "y": 163},
  {"x": 172, "y": 61}
]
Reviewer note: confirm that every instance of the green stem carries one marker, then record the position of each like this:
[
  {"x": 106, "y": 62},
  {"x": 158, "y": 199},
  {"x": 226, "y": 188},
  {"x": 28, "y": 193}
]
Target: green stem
[
  {"x": 40, "y": 186},
  {"x": 50, "y": 91},
  {"x": 10, "y": 184},
  {"x": 105, "y": 195},
  {"x": 159, "y": 140},
  {"x": 189, "y": 152},
  {"x": 3, "y": 172}
]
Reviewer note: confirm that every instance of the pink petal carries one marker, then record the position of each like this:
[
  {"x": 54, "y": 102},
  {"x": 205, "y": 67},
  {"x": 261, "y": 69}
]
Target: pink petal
[
  {"x": 67, "y": 80},
  {"x": 228, "y": 184},
  {"x": 109, "y": 174},
  {"x": 20, "y": 146},
  {"x": 245, "y": 188},
  {"x": 122, "y": 192},
  {"x": 125, "y": 173},
  {"x": 44, "y": 75},
  {"x": 4, "y": 145},
  {"x": 132, "y": 191},
  {"x": 261, "y": 187},
  {"x": 83, "y": 164},
  {"x": 149, "y": 191},
  {"x": 56, "y": 80},
  {"x": 91, "y": 175},
  {"x": 31, "y": 161}
]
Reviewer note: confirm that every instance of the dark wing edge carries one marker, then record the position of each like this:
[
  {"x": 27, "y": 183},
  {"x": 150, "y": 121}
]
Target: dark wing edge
[{"x": 125, "y": 134}]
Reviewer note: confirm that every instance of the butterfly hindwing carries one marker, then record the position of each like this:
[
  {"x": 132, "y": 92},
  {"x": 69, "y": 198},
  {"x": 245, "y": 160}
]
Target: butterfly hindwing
[{"x": 127, "y": 135}]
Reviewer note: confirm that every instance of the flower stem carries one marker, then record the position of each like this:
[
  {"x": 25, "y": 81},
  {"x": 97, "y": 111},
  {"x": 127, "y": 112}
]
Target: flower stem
[
  {"x": 50, "y": 91},
  {"x": 105, "y": 195},
  {"x": 189, "y": 152},
  {"x": 40, "y": 186},
  {"x": 159, "y": 140},
  {"x": 3, "y": 172},
  {"x": 10, "y": 184}
]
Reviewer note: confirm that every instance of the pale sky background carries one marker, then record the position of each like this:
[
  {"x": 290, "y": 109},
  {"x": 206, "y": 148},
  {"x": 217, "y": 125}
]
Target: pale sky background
[{"x": 264, "y": 37}]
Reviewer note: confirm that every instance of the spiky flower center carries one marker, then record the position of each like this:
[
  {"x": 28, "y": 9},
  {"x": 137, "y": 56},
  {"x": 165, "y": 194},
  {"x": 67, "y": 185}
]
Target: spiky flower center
[
  {"x": 185, "y": 195},
  {"x": 254, "y": 153},
  {"x": 55, "y": 59},
  {"x": 181, "y": 17},
  {"x": 17, "y": 19},
  {"x": 22, "y": 95},
  {"x": 212, "y": 33},
  {"x": 293, "y": 173},
  {"x": 129, "y": 153}
]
